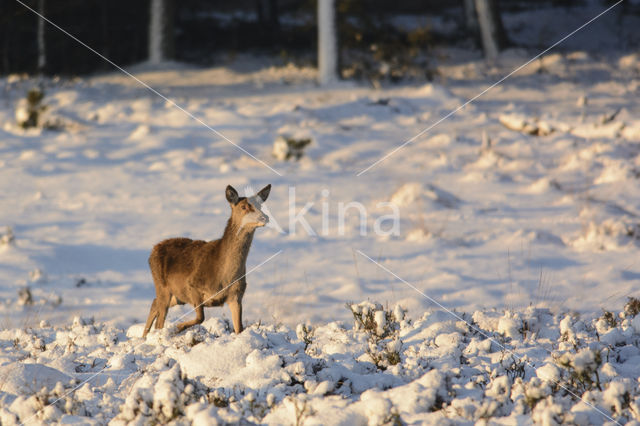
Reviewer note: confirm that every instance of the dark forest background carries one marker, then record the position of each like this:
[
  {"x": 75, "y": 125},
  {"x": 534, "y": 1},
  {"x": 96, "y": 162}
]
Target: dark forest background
[{"x": 203, "y": 29}]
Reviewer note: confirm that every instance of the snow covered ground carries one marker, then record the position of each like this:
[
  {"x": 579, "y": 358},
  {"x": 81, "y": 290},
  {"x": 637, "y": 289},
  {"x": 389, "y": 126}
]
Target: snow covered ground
[
  {"x": 519, "y": 212},
  {"x": 510, "y": 368},
  {"x": 520, "y": 198}
]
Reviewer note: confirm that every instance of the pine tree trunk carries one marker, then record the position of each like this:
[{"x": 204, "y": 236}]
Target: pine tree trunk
[
  {"x": 161, "y": 39},
  {"x": 327, "y": 42},
  {"x": 42, "y": 53},
  {"x": 491, "y": 29}
]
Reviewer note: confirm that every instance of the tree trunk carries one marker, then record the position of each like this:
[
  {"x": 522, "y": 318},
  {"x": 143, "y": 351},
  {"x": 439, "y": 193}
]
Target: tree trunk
[
  {"x": 327, "y": 42},
  {"x": 161, "y": 37},
  {"x": 491, "y": 29},
  {"x": 470, "y": 17},
  {"x": 42, "y": 54}
]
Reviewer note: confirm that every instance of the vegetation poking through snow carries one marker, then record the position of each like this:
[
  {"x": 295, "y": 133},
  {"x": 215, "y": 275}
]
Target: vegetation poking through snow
[
  {"x": 632, "y": 307},
  {"x": 382, "y": 327},
  {"x": 288, "y": 147},
  {"x": 609, "y": 319},
  {"x": 24, "y": 296},
  {"x": 30, "y": 109},
  {"x": 305, "y": 333},
  {"x": 7, "y": 239},
  {"x": 302, "y": 410},
  {"x": 582, "y": 369}
]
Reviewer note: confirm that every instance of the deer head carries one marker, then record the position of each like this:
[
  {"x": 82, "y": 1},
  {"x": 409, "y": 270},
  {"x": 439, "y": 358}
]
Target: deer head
[{"x": 246, "y": 211}]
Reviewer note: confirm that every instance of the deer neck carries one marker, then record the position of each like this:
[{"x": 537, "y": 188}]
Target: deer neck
[{"x": 235, "y": 243}]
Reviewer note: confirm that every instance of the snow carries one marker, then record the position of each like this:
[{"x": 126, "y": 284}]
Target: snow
[
  {"x": 519, "y": 213},
  {"x": 93, "y": 373}
]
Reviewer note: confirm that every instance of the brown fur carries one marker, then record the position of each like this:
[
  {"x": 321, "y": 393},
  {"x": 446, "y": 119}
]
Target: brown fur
[{"x": 204, "y": 273}]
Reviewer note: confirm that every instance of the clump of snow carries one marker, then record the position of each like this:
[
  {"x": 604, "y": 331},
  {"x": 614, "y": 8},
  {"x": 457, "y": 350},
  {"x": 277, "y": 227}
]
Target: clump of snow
[
  {"x": 141, "y": 132},
  {"x": 38, "y": 276},
  {"x": 7, "y": 238},
  {"x": 616, "y": 397},
  {"x": 549, "y": 372},
  {"x": 520, "y": 123},
  {"x": 407, "y": 194},
  {"x": 631, "y": 61},
  {"x": 414, "y": 192},
  {"x": 610, "y": 234},
  {"x": 636, "y": 324},
  {"x": 510, "y": 326}
]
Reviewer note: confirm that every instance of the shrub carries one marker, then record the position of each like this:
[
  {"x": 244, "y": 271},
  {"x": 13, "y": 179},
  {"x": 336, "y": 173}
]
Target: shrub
[
  {"x": 382, "y": 327},
  {"x": 632, "y": 307},
  {"x": 583, "y": 370},
  {"x": 29, "y": 109}
]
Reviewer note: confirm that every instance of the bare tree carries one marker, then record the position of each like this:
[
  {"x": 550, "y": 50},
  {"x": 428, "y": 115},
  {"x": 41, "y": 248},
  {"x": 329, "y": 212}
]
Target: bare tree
[
  {"x": 161, "y": 38},
  {"x": 327, "y": 42},
  {"x": 492, "y": 32}
]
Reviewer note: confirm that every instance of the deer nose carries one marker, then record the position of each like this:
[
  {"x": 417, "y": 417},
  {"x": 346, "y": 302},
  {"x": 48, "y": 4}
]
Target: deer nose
[{"x": 264, "y": 219}]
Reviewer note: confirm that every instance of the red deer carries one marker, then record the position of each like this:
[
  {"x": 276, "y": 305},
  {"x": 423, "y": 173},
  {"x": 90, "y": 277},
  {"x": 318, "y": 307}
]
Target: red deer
[{"x": 204, "y": 273}]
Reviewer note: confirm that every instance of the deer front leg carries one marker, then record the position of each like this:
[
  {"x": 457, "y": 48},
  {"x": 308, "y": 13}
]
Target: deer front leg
[
  {"x": 198, "y": 320},
  {"x": 236, "y": 314}
]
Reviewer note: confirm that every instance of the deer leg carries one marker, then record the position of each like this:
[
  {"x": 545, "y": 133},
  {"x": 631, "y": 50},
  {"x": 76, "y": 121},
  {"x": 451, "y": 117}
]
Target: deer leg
[
  {"x": 236, "y": 315},
  {"x": 198, "y": 319},
  {"x": 153, "y": 314},
  {"x": 162, "y": 306}
]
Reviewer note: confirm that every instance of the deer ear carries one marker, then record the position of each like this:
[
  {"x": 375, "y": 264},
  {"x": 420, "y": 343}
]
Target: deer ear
[
  {"x": 264, "y": 193},
  {"x": 231, "y": 194}
]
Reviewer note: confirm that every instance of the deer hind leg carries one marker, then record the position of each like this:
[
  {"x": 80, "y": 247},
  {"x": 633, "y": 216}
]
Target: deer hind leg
[
  {"x": 153, "y": 314},
  {"x": 198, "y": 319},
  {"x": 236, "y": 315},
  {"x": 162, "y": 306}
]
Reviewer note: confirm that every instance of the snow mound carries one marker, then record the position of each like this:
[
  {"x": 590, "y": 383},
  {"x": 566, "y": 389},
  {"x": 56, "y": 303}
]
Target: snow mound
[
  {"x": 24, "y": 379},
  {"x": 610, "y": 234},
  {"x": 414, "y": 192}
]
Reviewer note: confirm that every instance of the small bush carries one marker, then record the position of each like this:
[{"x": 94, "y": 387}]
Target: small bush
[
  {"x": 632, "y": 307},
  {"x": 583, "y": 370},
  {"x": 286, "y": 147},
  {"x": 515, "y": 367},
  {"x": 376, "y": 321},
  {"x": 302, "y": 410},
  {"x": 24, "y": 297},
  {"x": 7, "y": 238},
  {"x": 305, "y": 333},
  {"x": 609, "y": 318},
  {"x": 385, "y": 355},
  {"x": 218, "y": 398},
  {"x": 29, "y": 109},
  {"x": 382, "y": 327}
]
